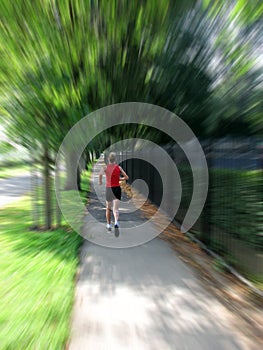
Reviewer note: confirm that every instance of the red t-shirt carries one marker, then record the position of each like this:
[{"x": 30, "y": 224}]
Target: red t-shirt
[{"x": 112, "y": 172}]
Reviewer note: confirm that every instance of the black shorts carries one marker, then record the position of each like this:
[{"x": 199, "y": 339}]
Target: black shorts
[{"x": 113, "y": 193}]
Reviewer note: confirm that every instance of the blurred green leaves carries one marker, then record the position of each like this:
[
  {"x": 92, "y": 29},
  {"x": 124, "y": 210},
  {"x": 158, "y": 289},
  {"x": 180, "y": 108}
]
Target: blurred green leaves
[
  {"x": 6, "y": 147},
  {"x": 63, "y": 59}
]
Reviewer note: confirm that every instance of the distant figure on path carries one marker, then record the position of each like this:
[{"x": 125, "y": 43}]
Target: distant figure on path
[{"x": 113, "y": 190}]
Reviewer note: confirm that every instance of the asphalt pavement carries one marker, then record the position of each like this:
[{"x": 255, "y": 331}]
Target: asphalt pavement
[
  {"x": 144, "y": 297},
  {"x": 13, "y": 188}
]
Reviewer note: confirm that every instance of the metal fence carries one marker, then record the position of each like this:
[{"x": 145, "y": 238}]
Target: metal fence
[{"x": 231, "y": 222}]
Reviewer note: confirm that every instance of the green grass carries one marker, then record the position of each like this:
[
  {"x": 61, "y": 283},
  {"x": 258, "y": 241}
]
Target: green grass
[
  {"x": 85, "y": 182},
  {"x": 13, "y": 170},
  {"x": 37, "y": 278},
  {"x": 37, "y": 282}
]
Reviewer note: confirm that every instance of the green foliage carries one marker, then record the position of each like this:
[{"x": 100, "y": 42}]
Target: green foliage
[
  {"x": 65, "y": 59},
  {"x": 241, "y": 10},
  {"x": 69, "y": 58},
  {"x": 5, "y": 147},
  {"x": 237, "y": 93}
]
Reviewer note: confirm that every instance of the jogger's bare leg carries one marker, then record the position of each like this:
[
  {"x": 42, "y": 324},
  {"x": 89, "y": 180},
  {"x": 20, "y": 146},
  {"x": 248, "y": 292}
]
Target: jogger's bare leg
[
  {"x": 116, "y": 204},
  {"x": 108, "y": 212}
]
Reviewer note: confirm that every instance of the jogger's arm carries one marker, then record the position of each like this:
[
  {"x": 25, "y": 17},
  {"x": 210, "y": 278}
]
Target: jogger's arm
[{"x": 125, "y": 176}]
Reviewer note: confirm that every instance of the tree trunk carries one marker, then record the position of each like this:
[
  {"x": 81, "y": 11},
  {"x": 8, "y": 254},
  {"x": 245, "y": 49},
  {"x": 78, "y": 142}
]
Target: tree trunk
[
  {"x": 72, "y": 181},
  {"x": 34, "y": 196},
  {"x": 78, "y": 179},
  {"x": 58, "y": 211},
  {"x": 47, "y": 189}
]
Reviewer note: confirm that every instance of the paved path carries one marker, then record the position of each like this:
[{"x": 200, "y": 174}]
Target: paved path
[
  {"x": 13, "y": 188},
  {"x": 146, "y": 298}
]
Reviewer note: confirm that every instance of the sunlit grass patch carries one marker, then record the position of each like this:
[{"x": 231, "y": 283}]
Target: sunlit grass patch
[
  {"x": 37, "y": 281},
  {"x": 13, "y": 170}
]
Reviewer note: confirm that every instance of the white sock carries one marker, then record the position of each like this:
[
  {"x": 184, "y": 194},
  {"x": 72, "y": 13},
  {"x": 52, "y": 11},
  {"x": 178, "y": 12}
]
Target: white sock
[
  {"x": 116, "y": 223},
  {"x": 108, "y": 225}
]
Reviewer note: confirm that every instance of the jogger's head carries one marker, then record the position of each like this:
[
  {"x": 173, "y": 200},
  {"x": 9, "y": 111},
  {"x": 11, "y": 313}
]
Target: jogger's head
[{"x": 112, "y": 157}]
